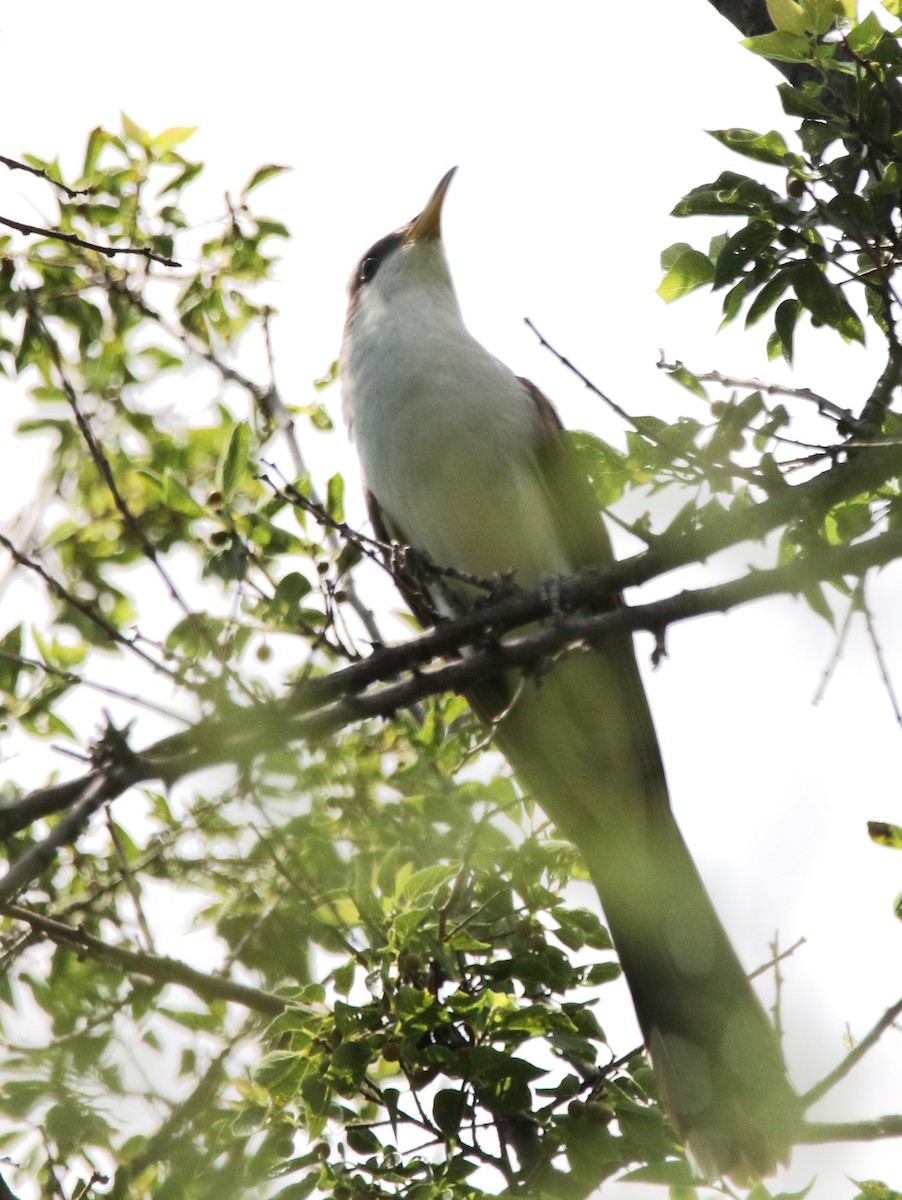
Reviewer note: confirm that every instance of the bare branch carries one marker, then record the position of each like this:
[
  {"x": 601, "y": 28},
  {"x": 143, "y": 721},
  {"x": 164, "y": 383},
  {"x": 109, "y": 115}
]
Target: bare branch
[
  {"x": 777, "y": 958},
  {"x": 584, "y": 379},
  {"x": 87, "y": 610},
  {"x": 269, "y": 402},
  {"x": 106, "y": 689},
  {"x": 882, "y": 664},
  {"x": 130, "y": 880},
  {"x": 874, "y": 412},
  {"x": 839, "y": 647},
  {"x": 15, "y": 165},
  {"x": 843, "y": 416},
  {"x": 151, "y": 966},
  {"x": 100, "y": 459},
  {"x": 816, "y": 1132},
  {"x": 320, "y": 707},
  {"x": 93, "y": 792},
  {"x": 841, "y": 1070},
  {"x": 73, "y": 240}
]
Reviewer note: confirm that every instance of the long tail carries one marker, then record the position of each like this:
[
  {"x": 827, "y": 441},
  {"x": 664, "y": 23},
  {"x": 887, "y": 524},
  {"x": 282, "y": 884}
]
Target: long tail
[{"x": 582, "y": 741}]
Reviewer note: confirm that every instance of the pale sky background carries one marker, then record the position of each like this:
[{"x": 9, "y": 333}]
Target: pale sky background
[{"x": 576, "y": 126}]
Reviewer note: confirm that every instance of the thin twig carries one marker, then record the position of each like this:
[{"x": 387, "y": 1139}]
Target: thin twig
[
  {"x": 87, "y": 610},
  {"x": 15, "y": 165},
  {"x": 776, "y": 1008},
  {"x": 855, "y": 1055},
  {"x": 73, "y": 240},
  {"x": 100, "y": 459},
  {"x": 840, "y": 644},
  {"x": 131, "y": 882},
  {"x": 105, "y": 689},
  {"x": 152, "y": 966},
  {"x": 882, "y": 665},
  {"x": 270, "y": 403},
  {"x": 777, "y": 958},
  {"x": 322, "y": 706},
  {"x": 825, "y": 407},
  {"x": 584, "y": 379},
  {"x": 95, "y": 791}
]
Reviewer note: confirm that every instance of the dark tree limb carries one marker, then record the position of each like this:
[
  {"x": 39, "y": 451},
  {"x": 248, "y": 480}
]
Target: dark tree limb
[{"x": 320, "y": 708}]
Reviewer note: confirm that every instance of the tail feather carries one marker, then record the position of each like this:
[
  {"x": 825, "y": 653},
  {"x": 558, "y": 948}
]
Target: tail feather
[{"x": 581, "y": 740}]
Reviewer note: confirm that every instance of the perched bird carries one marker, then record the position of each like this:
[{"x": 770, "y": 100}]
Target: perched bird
[{"x": 464, "y": 461}]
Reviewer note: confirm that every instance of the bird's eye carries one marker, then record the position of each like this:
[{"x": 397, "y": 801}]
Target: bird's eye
[{"x": 368, "y": 268}]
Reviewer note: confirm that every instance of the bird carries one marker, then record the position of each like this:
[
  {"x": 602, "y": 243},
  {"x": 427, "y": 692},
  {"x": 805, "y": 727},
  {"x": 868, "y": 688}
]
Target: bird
[{"x": 468, "y": 464}]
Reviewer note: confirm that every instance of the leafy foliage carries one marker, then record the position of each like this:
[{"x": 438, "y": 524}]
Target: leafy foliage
[{"x": 398, "y": 993}]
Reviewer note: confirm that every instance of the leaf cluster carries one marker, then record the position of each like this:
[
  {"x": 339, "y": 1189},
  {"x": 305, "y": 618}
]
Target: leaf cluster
[{"x": 442, "y": 993}]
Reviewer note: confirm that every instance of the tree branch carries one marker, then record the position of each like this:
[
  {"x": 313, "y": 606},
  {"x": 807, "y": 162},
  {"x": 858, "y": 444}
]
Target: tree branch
[
  {"x": 853, "y": 1057},
  {"x": 15, "y": 165},
  {"x": 151, "y": 966},
  {"x": 320, "y": 707},
  {"x": 815, "y": 1132},
  {"x": 73, "y": 239},
  {"x": 87, "y": 610}
]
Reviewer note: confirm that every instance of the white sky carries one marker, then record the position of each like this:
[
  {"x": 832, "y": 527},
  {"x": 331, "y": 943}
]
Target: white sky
[{"x": 576, "y": 126}]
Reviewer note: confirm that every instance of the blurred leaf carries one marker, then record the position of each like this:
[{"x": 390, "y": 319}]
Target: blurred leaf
[
  {"x": 261, "y": 175},
  {"x": 691, "y": 270},
  {"x": 763, "y": 147}
]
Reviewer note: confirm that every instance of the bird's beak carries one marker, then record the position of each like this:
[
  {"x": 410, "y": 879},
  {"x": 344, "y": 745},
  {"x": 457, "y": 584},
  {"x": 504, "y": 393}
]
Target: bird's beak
[{"x": 429, "y": 223}]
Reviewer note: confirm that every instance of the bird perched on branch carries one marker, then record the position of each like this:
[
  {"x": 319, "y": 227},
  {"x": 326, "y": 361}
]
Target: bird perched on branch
[{"x": 464, "y": 461}]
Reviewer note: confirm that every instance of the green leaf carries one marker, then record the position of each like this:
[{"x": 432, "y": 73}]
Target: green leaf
[
  {"x": 9, "y": 671},
  {"x": 686, "y": 379},
  {"x": 672, "y": 1174},
  {"x": 234, "y": 462},
  {"x": 134, "y": 132},
  {"x": 269, "y": 171},
  {"x": 191, "y": 172},
  {"x": 784, "y": 47},
  {"x": 825, "y": 300},
  {"x": 672, "y": 255},
  {"x": 423, "y": 885},
  {"x": 820, "y": 14},
  {"x": 763, "y": 147},
  {"x": 692, "y": 270},
  {"x": 173, "y": 136},
  {"x": 172, "y": 492},
  {"x": 804, "y": 102},
  {"x": 787, "y": 16},
  {"x": 795, "y": 1195},
  {"x": 817, "y": 602},
  {"x": 732, "y": 194},
  {"x": 891, "y": 183},
  {"x": 767, "y": 297},
  {"x": 299, "y": 1190},
  {"x": 745, "y": 246},
  {"x": 864, "y": 38},
  {"x": 162, "y": 359},
  {"x": 97, "y": 139},
  {"x": 785, "y": 319},
  {"x": 448, "y": 1110},
  {"x": 335, "y": 491}
]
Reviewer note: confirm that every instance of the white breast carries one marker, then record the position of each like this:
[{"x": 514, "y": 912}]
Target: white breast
[{"x": 446, "y": 433}]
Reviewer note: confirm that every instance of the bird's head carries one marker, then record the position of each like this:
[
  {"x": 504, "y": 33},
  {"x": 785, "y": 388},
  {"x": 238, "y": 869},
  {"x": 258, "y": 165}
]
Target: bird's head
[{"x": 410, "y": 259}]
